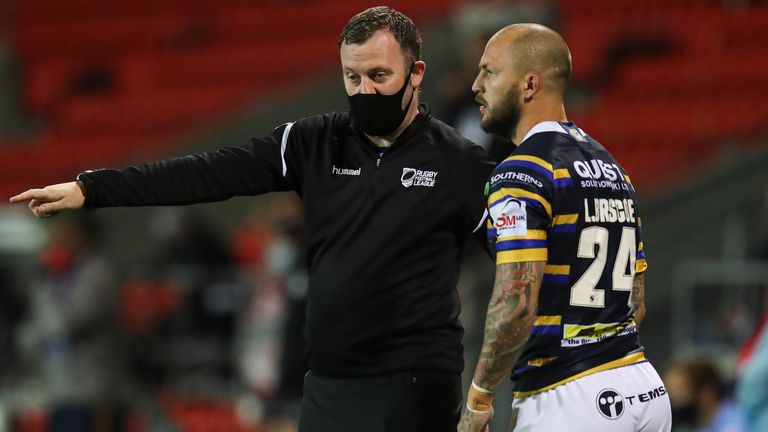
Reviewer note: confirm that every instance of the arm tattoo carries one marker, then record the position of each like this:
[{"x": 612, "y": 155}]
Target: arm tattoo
[
  {"x": 638, "y": 297},
  {"x": 511, "y": 313}
]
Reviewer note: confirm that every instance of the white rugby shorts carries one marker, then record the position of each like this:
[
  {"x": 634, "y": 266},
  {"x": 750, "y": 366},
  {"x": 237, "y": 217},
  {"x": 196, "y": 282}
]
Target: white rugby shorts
[{"x": 625, "y": 399}]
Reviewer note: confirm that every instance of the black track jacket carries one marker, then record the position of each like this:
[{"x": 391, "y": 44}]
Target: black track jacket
[{"x": 385, "y": 231}]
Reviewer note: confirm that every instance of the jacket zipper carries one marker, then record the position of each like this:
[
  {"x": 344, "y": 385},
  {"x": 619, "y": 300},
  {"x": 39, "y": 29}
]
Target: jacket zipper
[{"x": 376, "y": 172}]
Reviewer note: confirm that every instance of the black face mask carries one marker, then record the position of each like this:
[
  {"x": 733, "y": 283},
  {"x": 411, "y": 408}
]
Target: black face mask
[{"x": 377, "y": 114}]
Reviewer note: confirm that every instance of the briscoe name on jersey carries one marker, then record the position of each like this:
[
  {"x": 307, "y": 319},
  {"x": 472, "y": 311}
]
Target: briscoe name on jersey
[{"x": 561, "y": 197}]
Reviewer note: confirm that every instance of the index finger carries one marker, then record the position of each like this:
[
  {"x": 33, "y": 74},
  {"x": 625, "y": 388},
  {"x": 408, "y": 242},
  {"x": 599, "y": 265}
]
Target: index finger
[{"x": 29, "y": 195}]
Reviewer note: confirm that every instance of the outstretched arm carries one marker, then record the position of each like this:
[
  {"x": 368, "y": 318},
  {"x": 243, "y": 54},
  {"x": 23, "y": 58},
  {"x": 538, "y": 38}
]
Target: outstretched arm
[
  {"x": 511, "y": 313},
  {"x": 253, "y": 169}
]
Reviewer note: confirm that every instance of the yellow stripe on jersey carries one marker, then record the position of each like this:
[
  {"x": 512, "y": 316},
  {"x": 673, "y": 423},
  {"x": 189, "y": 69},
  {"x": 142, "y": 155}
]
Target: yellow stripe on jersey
[
  {"x": 640, "y": 266},
  {"x": 565, "y": 219},
  {"x": 520, "y": 193},
  {"x": 626, "y": 177},
  {"x": 538, "y": 161},
  {"x": 542, "y": 320},
  {"x": 532, "y": 235},
  {"x": 521, "y": 255},
  {"x": 624, "y": 361},
  {"x": 557, "y": 269},
  {"x": 561, "y": 173},
  {"x": 539, "y": 361},
  {"x": 595, "y": 331}
]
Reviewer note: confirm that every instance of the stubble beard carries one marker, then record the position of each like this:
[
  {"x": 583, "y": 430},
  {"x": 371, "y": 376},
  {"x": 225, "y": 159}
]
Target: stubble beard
[{"x": 507, "y": 116}]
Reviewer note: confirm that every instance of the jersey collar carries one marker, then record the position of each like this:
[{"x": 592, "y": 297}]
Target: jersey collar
[{"x": 545, "y": 126}]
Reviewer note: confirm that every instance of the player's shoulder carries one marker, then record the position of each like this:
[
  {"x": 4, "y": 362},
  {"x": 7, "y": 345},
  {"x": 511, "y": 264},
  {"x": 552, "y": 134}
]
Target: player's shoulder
[
  {"x": 335, "y": 120},
  {"x": 550, "y": 140},
  {"x": 539, "y": 160},
  {"x": 313, "y": 129}
]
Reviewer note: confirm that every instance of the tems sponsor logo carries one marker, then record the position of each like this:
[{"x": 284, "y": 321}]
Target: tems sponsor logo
[
  {"x": 510, "y": 218},
  {"x": 345, "y": 171},
  {"x": 610, "y": 403},
  {"x": 415, "y": 177}
]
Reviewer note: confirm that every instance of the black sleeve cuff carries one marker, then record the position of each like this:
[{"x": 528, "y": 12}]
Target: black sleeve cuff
[{"x": 86, "y": 183}]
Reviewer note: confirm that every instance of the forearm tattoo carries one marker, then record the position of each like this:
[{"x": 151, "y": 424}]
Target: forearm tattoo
[
  {"x": 511, "y": 313},
  {"x": 638, "y": 297}
]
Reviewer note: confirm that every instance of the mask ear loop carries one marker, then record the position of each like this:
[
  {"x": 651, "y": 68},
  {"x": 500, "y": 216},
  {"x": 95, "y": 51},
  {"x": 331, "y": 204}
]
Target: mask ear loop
[{"x": 407, "y": 81}]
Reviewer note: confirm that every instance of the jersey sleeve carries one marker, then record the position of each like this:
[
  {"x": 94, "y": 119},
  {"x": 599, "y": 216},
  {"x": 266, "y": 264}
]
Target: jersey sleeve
[
  {"x": 262, "y": 165},
  {"x": 640, "y": 263},
  {"x": 520, "y": 209}
]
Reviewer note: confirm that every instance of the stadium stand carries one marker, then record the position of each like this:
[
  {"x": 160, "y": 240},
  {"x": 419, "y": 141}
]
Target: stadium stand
[
  {"x": 114, "y": 79},
  {"x": 673, "y": 81}
]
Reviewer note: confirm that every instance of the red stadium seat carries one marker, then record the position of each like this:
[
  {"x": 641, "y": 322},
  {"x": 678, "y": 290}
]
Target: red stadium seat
[{"x": 115, "y": 78}]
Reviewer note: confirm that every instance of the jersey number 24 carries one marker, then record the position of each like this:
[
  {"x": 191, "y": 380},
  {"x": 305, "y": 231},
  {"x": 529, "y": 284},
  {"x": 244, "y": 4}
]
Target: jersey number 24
[{"x": 585, "y": 292}]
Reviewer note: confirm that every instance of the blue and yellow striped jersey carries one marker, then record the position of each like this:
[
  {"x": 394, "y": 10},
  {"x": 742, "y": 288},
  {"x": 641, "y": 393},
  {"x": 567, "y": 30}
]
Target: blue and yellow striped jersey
[{"x": 561, "y": 197}]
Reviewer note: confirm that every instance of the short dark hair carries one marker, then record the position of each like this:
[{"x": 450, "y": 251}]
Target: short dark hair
[{"x": 362, "y": 26}]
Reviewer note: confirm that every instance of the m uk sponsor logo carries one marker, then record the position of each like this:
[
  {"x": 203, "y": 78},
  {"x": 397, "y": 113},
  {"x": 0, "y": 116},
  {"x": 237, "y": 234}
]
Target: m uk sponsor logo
[{"x": 510, "y": 218}]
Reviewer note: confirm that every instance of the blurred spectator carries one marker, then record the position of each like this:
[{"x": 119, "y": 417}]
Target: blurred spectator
[
  {"x": 12, "y": 311},
  {"x": 271, "y": 249},
  {"x": 752, "y": 388},
  {"x": 698, "y": 397},
  {"x": 461, "y": 110},
  {"x": 288, "y": 260},
  {"x": 189, "y": 344},
  {"x": 73, "y": 330}
]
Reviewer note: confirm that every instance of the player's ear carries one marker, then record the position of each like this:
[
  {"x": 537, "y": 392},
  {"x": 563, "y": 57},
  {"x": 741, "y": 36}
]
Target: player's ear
[{"x": 531, "y": 85}]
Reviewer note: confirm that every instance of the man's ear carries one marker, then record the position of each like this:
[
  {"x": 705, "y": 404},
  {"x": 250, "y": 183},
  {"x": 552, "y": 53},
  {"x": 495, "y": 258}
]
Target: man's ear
[{"x": 417, "y": 74}]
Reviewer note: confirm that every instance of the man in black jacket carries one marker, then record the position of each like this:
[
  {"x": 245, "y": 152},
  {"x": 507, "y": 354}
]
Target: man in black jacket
[{"x": 390, "y": 195}]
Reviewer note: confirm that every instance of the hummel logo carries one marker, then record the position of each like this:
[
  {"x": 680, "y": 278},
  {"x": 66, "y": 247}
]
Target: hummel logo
[{"x": 346, "y": 171}]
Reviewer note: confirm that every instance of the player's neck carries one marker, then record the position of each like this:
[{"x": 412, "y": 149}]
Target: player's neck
[{"x": 536, "y": 115}]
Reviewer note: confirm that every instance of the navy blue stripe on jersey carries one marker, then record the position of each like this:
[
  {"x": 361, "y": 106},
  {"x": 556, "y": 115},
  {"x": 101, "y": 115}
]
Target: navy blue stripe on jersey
[
  {"x": 520, "y": 244},
  {"x": 525, "y": 368},
  {"x": 563, "y": 229},
  {"x": 555, "y": 279},
  {"x": 545, "y": 330}
]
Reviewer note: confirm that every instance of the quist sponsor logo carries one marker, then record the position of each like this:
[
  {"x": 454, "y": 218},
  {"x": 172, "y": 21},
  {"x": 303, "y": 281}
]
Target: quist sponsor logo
[
  {"x": 596, "y": 169},
  {"x": 595, "y": 173}
]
